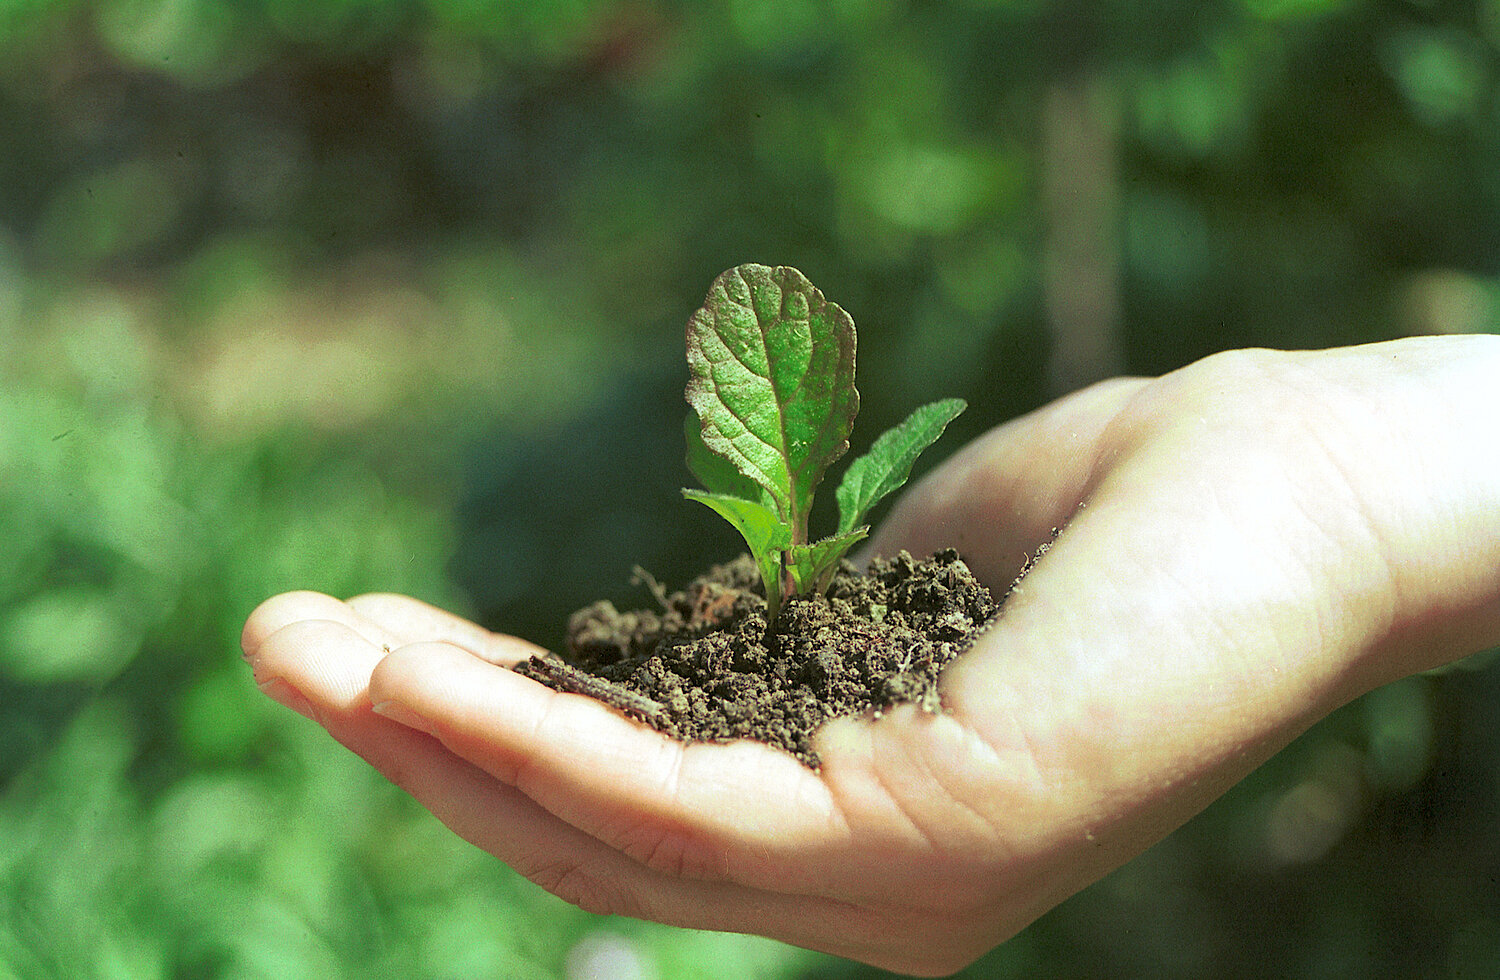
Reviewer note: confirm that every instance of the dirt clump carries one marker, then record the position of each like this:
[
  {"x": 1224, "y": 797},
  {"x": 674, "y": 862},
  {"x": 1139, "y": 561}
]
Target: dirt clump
[{"x": 704, "y": 666}]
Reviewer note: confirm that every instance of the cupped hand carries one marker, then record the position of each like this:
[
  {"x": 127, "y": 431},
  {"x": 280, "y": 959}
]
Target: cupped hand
[{"x": 1240, "y": 547}]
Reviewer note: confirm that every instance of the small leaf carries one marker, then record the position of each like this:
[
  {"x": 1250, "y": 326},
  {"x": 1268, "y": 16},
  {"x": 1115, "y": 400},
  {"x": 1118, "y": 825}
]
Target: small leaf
[
  {"x": 764, "y": 534},
  {"x": 771, "y": 366},
  {"x": 888, "y": 463},
  {"x": 716, "y": 473},
  {"x": 812, "y": 565}
]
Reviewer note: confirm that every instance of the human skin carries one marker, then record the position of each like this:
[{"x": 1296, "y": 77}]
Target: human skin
[{"x": 1245, "y": 544}]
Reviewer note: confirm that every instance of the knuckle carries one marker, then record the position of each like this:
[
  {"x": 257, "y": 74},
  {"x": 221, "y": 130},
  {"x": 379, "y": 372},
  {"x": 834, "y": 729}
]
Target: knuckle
[
  {"x": 583, "y": 887},
  {"x": 672, "y": 853}
]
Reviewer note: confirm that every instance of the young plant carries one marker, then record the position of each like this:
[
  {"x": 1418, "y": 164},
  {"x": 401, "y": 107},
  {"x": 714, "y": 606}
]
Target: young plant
[{"x": 771, "y": 386}]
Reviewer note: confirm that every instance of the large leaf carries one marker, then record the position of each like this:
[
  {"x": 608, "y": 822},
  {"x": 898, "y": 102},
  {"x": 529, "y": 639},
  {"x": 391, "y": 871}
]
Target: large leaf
[
  {"x": 771, "y": 366},
  {"x": 764, "y": 534},
  {"x": 716, "y": 473},
  {"x": 888, "y": 463}
]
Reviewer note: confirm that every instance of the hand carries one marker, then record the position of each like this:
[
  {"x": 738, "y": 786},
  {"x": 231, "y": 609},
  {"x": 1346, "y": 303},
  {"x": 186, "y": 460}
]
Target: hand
[{"x": 1246, "y": 544}]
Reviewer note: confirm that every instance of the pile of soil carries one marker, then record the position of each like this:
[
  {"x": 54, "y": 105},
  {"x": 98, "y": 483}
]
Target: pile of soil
[{"x": 706, "y": 667}]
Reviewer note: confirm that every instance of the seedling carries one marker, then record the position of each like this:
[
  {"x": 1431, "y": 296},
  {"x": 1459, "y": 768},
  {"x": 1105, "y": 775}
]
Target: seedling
[{"x": 771, "y": 386}]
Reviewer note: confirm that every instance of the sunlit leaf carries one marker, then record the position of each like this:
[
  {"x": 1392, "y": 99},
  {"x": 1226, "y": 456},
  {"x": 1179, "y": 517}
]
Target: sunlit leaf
[
  {"x": 715, "y": 472},
  {"x": 888, "y": 463},
  {"x": 771, "y": 366}
]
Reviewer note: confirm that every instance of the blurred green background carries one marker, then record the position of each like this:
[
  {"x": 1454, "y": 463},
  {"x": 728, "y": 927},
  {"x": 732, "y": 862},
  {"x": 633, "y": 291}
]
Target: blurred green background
[{"x": 362, "y": 294}]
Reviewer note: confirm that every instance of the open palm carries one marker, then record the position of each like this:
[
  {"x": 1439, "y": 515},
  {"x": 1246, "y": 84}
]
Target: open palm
[{"x": 1244, "y": 545}]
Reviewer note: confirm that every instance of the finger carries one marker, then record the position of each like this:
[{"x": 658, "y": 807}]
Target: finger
[
  {"x": 328, "y": 663},
  {"x": 324, "y": 663},
  {"x": 413, "y": 621},
  {"x": 314, "y": 680},
  {"x": 587, "y": 872},
  {"x": 1001, "y": 497},
  {"x": 713, "y": 812},
  {"x": 295, "y": 607},
  {"x": 319, "y": 655}
]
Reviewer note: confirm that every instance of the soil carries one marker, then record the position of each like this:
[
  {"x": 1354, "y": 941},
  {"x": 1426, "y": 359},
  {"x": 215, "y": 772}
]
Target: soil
[{"x": 704, "y": 666}]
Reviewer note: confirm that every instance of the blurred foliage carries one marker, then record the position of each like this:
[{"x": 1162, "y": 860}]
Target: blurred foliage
[{"x": 365, "y": 294}]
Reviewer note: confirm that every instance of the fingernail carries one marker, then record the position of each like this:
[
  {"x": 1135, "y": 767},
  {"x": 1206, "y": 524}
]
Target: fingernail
[
  {"x": 401, "y": 714},
  {"x": 287, "y": 696}
]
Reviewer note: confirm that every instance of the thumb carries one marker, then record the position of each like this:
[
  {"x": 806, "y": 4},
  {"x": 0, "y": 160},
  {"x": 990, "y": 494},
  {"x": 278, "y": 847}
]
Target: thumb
[{"x": 1002, "y": 496}]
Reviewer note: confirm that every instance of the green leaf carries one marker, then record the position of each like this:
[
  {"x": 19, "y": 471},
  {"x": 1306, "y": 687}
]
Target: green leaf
[
  {"x": 716, "y": 473},
  {"x": 888, "y": 463},
  {"x": 771, "y": 365},
  {"x": 764, "y": 534},
  {"x": 812, "y": 565}
]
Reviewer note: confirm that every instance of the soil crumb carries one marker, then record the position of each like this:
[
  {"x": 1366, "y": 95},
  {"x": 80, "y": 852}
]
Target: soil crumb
[{"x": 704, "y": 667}]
